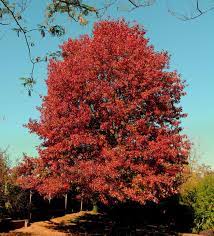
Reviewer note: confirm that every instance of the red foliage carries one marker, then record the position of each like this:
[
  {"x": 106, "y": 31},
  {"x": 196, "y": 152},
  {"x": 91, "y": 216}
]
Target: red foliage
[
  {"x": 110, "y": 122},
  {"x": 27, "y": 173},
  {"x": 35, "y": 174}
]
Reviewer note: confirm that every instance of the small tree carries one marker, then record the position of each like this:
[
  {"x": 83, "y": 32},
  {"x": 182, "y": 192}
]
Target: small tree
[
  {"x": 197, "y": 192},
  {"x": 110, "y": 123},
  {"x": 12, "y": 197},
  {"x": 4, "y": 170}
]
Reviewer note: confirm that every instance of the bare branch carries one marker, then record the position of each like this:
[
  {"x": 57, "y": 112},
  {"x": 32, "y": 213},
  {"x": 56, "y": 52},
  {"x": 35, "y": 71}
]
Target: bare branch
[
  {"x": 184, "y": 17},
  {"x": 105, "y": 8},
  {"x": 197, "y": 3},
  {"x": 145, "y": 3},
  {"x": 4, "y": 23},
  {"x": 133, "y": 3}
]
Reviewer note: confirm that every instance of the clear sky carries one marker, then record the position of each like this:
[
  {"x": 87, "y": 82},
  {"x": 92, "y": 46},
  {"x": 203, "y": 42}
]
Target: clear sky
[{"x": 191, "y": 45}]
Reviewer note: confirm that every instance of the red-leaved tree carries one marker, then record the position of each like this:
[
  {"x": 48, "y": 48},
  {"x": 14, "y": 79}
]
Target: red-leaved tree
[{"x": 110, "y": 122}]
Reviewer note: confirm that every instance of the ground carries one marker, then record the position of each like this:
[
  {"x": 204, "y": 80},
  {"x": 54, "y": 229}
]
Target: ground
[
  {"x": 51, "y": 227},
  {"x": 87, "y": 223}
]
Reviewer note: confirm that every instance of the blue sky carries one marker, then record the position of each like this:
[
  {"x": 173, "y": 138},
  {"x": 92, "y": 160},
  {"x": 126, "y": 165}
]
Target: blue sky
[{"x": 192, "y": 55}]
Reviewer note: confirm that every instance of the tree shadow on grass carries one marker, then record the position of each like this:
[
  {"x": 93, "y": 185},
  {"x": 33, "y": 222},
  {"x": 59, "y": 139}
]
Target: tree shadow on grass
[
  {"x": 88, "y": 224},
  {"x": 166, "y": 218},
  {"x": 100, "y": 225}
]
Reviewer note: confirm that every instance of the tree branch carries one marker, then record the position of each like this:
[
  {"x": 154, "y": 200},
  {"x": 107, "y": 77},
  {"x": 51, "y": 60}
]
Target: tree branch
[
  {"x": 20, "y": 27},
  {"x": 144, "y": 4},
  {"x": 184, "y": 17},
  {"x": 4, "y": 23},
  {"x": 197, "y": 6},
  {"x": 29, "y": 82},
  {"x": 133, "y": 3}
]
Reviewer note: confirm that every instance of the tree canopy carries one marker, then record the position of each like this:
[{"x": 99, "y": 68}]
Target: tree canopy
[{"x": 110, "y": 122}]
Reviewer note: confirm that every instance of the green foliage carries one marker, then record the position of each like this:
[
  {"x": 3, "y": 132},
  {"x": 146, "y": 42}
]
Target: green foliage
[
  {"x": 13, "y": 200},
  {"x": 198, "y": 193},
  {"x": 76, "y": 10},
  {"x": 56, "y": 30},
  {"x": 204, "y": 204},
  {"x": 28, "y": 83}
]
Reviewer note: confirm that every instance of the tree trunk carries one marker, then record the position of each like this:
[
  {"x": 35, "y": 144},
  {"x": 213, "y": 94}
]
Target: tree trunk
[
  {"x": 49, "y": 200},
  {"x": 30, "y": 205},
  {"x": 66, "y": 202},
  {"x": 95, "y": 207},
  {"x": 81, "y": 204}
]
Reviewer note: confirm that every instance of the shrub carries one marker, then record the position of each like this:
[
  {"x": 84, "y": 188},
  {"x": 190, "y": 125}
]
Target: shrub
[{"x": 198, "y": 193}]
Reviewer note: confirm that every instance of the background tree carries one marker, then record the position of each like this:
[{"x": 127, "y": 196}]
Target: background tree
[
  {"x": 197, "y": 192},
  {"x": 5, "y": 181},
  {"x": 13, "y": 200},
  {"x": 110, "y": 124}
]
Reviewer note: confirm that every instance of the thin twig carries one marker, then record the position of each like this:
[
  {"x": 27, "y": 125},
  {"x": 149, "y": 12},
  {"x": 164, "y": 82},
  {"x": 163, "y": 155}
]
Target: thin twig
[
  {"x": 146, "y": 3},
  {"x": 4, "y": 23},
  {"x": 186, "y": 18},
  {"x": 133, "y": 3},
  {"x": 21, "y": 29},
  {"x": 197, "y": 6}
]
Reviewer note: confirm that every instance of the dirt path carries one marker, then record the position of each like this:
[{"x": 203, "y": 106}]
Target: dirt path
[
  {"x": 47, "y": 228},
  {"x": 40, "y": 228},
  {"x": 60, "y": 226}
]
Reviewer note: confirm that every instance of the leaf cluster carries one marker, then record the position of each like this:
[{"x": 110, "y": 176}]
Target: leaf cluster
[{"x": 76, "y": 10}]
